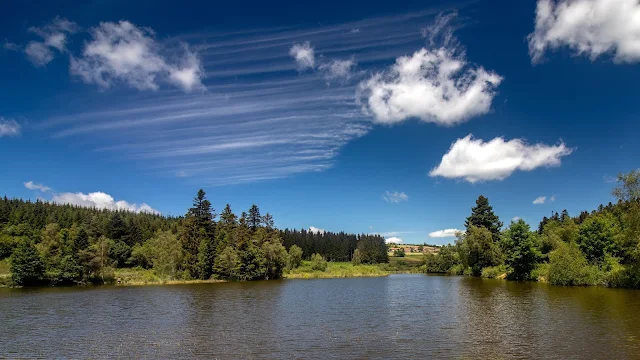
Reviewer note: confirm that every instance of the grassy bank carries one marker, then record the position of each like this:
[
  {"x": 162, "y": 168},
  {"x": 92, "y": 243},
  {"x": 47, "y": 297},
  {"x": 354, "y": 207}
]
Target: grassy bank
[
  {"x": 336, "y": 270},
  {"x": 139, "y": 276}
]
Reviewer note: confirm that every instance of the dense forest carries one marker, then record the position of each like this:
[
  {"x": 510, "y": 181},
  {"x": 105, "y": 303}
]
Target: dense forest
[
  {"x": 55, "y": 244},
  {"x": 601, "y": 247}
]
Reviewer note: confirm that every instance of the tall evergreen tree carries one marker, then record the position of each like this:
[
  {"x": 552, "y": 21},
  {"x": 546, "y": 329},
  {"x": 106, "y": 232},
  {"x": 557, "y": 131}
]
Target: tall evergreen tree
[
  {"x": 26, "y": 266},
  {"x": 254, "y": 219},
  {"x": 482, "y": 216}
]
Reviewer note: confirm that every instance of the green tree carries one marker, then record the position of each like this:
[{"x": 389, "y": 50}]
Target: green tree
[
  {"x": 254, "y": 220},
  {"x": 318, "y": 262},
  {"x": 166, "y": 254},
  {"x": 295, "y": 257},
  {"x": 568, "y": 266},
  {"x": 226, "y": 264},
  {"x": 26, "y": 266},
  {"x": 599, "y": 235},
  {"x": 206, "y": 257},
  {"x": 482, "y": 216},
  {"x": 521, "y": 253},
  {"x": 275, "y": 259},
  {"x": 477, "y": 249}
]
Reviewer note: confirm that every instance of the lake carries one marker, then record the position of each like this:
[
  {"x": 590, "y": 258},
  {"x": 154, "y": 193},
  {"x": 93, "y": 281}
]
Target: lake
[{"x": 394, "y": 317}]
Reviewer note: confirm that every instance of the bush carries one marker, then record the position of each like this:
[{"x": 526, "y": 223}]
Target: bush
[
  {"x": 493, "y": 272},
  {"x": 318, "y": 262},
  {"x": 568, "y": 266},
  {"x": 540, "y": 272},
  {"x": 457, "y": 269},
  {"x": 399, "y": 253}
]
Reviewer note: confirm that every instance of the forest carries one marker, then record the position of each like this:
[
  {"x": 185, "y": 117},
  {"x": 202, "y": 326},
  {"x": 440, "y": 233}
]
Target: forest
[
  {"x": 54, "y": 244},
  {"x": 601, "y": 247}
]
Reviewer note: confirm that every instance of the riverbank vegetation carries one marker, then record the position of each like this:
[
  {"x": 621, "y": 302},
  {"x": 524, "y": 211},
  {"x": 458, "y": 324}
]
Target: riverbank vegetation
[
  {"x": 44, "y": 243},
  {"x": 601, "y": 247}
]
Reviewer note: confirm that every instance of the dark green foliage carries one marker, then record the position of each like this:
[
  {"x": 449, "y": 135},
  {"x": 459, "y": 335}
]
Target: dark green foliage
[
  {"x": 519, "y": 248},
  {"x": 254, "y": 220},
  {"x": 120, "y": 253},
  {"x": 26, "y": 266},
  {"x": 399, "y": 253},
  {"x": 373, "y": 250},
  {"x": 568, "y": 266},
  {"x": 482, "y": 216}
]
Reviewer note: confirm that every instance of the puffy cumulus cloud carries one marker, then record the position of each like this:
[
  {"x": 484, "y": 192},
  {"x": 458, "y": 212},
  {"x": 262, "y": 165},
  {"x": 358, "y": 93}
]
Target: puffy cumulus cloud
[
  {"x": 54, "y": 37},
  {"x": 434, "y": 84},
  {"x": 393, "y": 240},
  {"x": 33, "y": 186},
  {"x": 475, "y": 160},
  {"x": 313, "y": 229},
  {"x": 589, "y": 27},
  {"x": 337, "y": 70},
  {"x": 395, "y": 196},
  {"x": 431, "y": 85},
  {"x": 516, "y": 218},
  {"x": 539, "y": 200},
  {"x": 9, "y": 127},
  {"x": 101, "y": 200},
  {"x": 304, "y": 55},
  {"x": 130, "y": 54},
  {"x": 444, "y": 233}
]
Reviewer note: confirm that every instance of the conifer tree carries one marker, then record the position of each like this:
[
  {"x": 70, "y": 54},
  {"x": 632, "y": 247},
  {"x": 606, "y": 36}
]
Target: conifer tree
[{"x": 482, "y": 216}]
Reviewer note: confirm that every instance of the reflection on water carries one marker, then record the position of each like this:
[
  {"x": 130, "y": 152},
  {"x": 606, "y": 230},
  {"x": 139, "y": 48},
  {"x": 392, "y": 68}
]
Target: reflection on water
[{"x": 400, "y": 316}]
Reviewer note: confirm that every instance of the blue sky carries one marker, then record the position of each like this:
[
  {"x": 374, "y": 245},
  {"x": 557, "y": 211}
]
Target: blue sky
[{"x": 357, "y": 116}]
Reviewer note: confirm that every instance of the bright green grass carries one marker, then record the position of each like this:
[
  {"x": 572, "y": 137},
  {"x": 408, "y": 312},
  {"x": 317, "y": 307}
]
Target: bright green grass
[{"x": 336, "y": 270}]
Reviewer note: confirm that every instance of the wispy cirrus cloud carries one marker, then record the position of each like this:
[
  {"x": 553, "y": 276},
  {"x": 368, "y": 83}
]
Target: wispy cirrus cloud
[
  {"x": 395, "y": 196},
  {"x": 539, "y": 200},
  {"x": 260, "y": 119},
  {"x": 9, "y": 127}
]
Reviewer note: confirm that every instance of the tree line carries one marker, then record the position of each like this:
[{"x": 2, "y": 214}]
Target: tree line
[
  {"x": 601, "y": 247},
  {"x": 55, "y": 244}
]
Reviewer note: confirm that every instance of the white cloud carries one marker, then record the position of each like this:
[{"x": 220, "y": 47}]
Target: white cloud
[
  {"x": 516, "y": 218},
  {"x": 304, "y": 55},
  {"x": 101, "y": 200},
  {"x": 552, "y": 198},
  {"x": 588, "y": 27},
  {"x": 393, "y": 240},
  {"x": 10, "y": 46},
  {"x": 475, "y": 160},
  {"x": 127, "y": 53},
  {"x": 33, "y": 186},
  {"x": 54, "y": 37},
  {"x": 444, "y": 233},
  {"x": 395, "y": 196},
  {"x": 338, "y": 70},
  {"x": 435, "y": 85},
  {"x": 540, "y": 200},
  {"x": 9, "y": 127},
  {"x": 313, "y": 229}
]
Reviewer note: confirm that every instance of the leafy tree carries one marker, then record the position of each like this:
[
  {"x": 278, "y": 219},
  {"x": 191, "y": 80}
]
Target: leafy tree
[
  {"x": 442, "y": 262},
  {"x": 226, "y": 264},
  {"x": 295, "y": 257},
  {"x": 482, "y": 216},
  {"x": 166, "y": 254},
  {"x": 318, "y": 262},
  {"x": 120, "y": 252},
  {"x": 399, "y": 253},
  {"x": 599, "y": 235},
  {"x": 357, "y": 257},
  {"x": 521, "y": 253},
  {"x": 477, "y": 249},
  {"x": 276, "y": 257},
  {"x": 26, "y": 266},
  {"x": 568, "y": 266}
]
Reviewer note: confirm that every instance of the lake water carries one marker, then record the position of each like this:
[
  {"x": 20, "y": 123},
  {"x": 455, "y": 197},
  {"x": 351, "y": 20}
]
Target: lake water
[{"x": 395, "y": 317}]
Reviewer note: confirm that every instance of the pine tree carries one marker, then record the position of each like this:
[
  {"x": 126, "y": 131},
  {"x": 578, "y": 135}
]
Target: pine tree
[
  {"x": 254, "y": 219},
  {"x": 227, "y": 217},
  {"x": 482, "y": 216},
  {"x": 267, "y": 220}
]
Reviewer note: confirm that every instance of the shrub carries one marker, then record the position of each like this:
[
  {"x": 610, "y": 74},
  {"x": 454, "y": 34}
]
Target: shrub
[
  {"x": 399, "y": 253},
  {"x": 568, "y": 266},
  {"x": 540, "y": 272},
  {"x": 457, "y": 269},
  {"x": 318, "y": 262},
  {"x": 493, "y": 272}
]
